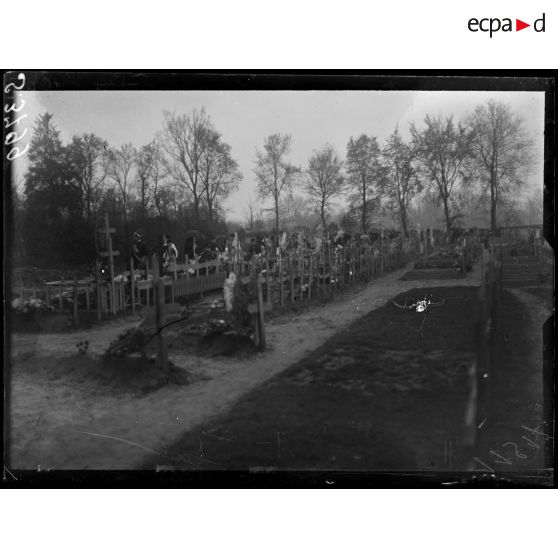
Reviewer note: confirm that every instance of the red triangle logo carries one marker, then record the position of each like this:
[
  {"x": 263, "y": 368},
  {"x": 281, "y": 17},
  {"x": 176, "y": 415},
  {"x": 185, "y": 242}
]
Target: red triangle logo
[{"x": 519, "y": 25}]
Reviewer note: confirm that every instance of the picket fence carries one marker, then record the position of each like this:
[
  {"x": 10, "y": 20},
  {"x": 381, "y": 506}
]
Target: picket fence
[{"x": 296, "y": 275}]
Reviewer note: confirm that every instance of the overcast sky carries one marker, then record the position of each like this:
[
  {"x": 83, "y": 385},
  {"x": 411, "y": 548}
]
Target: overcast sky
[{"x": 244, "y": 118}]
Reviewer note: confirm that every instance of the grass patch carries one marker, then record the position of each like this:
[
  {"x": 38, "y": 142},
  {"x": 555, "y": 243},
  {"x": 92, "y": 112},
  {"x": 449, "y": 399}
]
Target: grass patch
[{"x": 387, "y": 393}]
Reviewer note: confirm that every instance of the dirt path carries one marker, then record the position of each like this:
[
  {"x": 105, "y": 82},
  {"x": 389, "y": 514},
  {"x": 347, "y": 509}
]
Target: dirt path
[{"x": 55, "y": 427}]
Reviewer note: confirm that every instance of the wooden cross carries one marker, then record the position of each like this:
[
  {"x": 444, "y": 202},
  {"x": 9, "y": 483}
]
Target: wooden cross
[
  {"x": 258, "y": 308},
  {"x": 159, "y": 300},
  {"x": 108, "y": 231}
]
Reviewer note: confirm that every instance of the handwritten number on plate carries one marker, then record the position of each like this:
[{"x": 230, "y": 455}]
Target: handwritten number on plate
[
  {"x": 536, "y": 431},
  {"x": 15, "y": 153},
  {"x": 21, "y": 77},
  {"x": 12, "y": 137},
  {"x": 531, "y": 443},
  {"x": 487, "y": 467},
  {"x": 500, "y": 458},
  {"x": 13, "y": 108},
  {"x": 8, "y": 123},
  {"x": 517, "y": 453}
]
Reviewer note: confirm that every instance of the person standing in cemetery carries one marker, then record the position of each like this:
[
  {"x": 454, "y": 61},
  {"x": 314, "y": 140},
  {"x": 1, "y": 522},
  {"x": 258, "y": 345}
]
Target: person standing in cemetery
[
  {"x": 140, "y": 253},
  {"x": 170, "y": 255}
]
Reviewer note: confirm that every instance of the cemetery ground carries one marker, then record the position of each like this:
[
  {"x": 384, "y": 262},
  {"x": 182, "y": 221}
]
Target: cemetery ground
[
  {"x": 354, "y": 383},
  {"x": 380, "y": 397}
]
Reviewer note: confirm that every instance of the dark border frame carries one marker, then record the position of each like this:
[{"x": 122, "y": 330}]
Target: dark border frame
[{"x": 457, "y": 80}]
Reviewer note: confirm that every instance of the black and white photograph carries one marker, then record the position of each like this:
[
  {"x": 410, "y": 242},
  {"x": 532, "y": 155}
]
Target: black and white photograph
[{"x": 279, "y": 279}]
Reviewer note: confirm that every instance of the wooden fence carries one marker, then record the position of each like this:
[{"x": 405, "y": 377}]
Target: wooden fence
[
  {"x": 543, "y": 253},
  {"x": 295, "y": 275},
  {"x": 292, "y": 276},
  {"x": 482, "y": 370},
  {"x": 302, "y": 275},
  {"x": 470, "y": 254}
]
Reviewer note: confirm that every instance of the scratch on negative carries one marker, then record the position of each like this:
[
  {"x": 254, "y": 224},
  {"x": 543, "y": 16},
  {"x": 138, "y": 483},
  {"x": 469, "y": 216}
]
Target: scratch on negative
[
  {"x": 8, "y": 471},
  {"x": 120, "y": 440}
]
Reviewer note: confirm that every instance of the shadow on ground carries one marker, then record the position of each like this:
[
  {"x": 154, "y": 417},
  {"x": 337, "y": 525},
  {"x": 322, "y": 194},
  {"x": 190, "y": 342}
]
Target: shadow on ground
[{"x": 389, "y": 392}]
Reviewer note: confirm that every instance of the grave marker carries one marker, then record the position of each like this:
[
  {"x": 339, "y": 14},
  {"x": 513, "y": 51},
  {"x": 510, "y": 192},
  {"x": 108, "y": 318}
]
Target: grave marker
[{"x": 108, "y": 231}]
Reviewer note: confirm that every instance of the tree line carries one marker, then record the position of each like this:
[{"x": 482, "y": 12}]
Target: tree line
[
  {"x": 487, "y": 155},
  {"x": 181, "y": 178},
  {"x": 178, "y": 178}
]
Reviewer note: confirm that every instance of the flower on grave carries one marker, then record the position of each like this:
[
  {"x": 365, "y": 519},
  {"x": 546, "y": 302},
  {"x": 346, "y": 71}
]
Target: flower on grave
[
  {"x": 32, "y": 305},
  {"x": 266, "y": 242}
]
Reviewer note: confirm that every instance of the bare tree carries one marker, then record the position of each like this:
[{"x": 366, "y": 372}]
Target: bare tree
[
  {"x": 443, "y": 150},
  {"x": 296, "y": 211},
  {"x": 472, "y": 207},
  {"x": 324, "y": 179},
  {"x": 119, "y": 170},
  {"x": 253, "y": 215},
  {"x": 185, "y": 139},
  {"x": 502, "y": 152},
  {"x": 274, "y": 174},
  {"x": 167, "y": 202},
  {"x": 250, "y": 214},
  {"x": 219, "y": 172},
  {"x": 426, "y": 211},
  {"x": 365, "y": 173},
  {"x": 509, "y": 213},
  {"x": 145, "y": 159},
  {"x": 89, "y": 156},
  {"x": 533, "y": 208},
  {"x": 157, "y": 175},
  {"x": 403, "y": 183}
]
